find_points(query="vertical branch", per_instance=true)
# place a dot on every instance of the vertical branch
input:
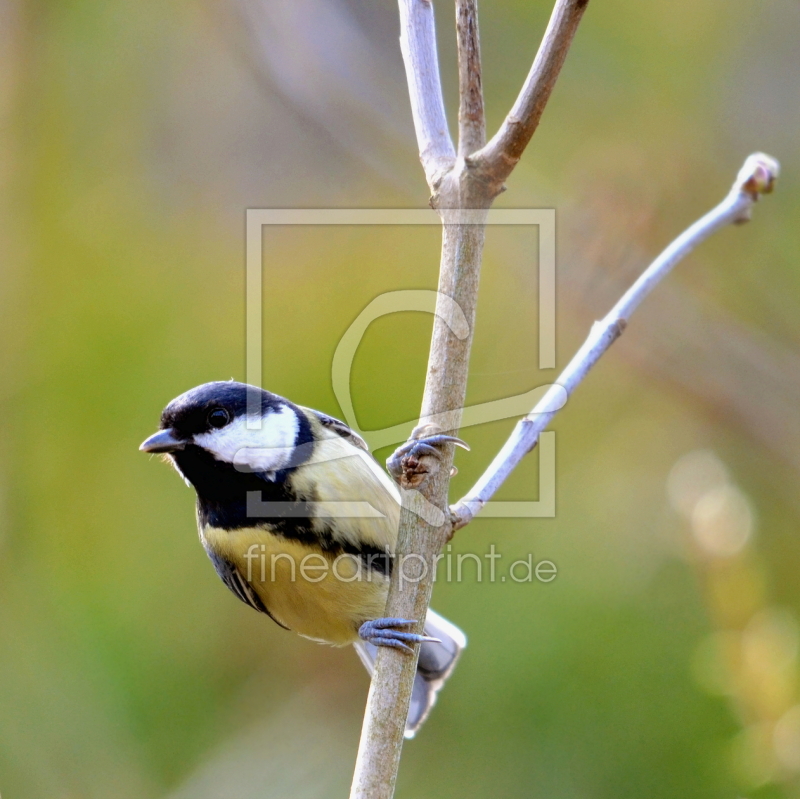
(469, 182)
(471, 120)
(419, 540)
(445, 388)
(412, 577)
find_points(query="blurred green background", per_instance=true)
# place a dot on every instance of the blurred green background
(661, 662)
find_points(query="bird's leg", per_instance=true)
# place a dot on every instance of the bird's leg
(384, 632)
(407, 464)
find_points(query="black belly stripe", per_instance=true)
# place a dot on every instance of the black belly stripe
(295, 528)
(378, 560)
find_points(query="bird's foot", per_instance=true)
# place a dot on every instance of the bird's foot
(410, 463)
(384, 632)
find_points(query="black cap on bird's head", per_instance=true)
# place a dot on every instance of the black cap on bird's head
(223, 424)
(204, 409)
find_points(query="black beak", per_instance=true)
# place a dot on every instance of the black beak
(162, 441)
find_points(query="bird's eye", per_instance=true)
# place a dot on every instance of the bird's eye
(219, 417)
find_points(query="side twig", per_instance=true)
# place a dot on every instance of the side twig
(756, 177)
(495, 162)
(418, 46)
(471, 120)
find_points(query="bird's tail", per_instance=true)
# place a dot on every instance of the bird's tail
(436, 663)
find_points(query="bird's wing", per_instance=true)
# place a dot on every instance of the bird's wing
(231, 576)
(340, 428)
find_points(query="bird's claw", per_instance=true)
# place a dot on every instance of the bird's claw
(383, 632)
(407, 465)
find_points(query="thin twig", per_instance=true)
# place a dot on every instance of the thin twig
(497, 159)
(418, 46)
(756, 177)
(471, 119)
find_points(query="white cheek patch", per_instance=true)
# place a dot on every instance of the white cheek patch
(266, 449)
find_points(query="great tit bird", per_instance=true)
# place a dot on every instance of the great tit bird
(300, 522)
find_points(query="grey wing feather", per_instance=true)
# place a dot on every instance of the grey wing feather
(340, 428)
(230, 575)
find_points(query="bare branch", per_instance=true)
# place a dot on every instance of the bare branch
(756, 177)
(471, 120)
(421, 538)
(418, 46)
(471, 182)
(497, 159)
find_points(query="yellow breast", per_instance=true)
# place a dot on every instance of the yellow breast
(317, 594)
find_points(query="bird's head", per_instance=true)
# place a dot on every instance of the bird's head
(233, 423)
